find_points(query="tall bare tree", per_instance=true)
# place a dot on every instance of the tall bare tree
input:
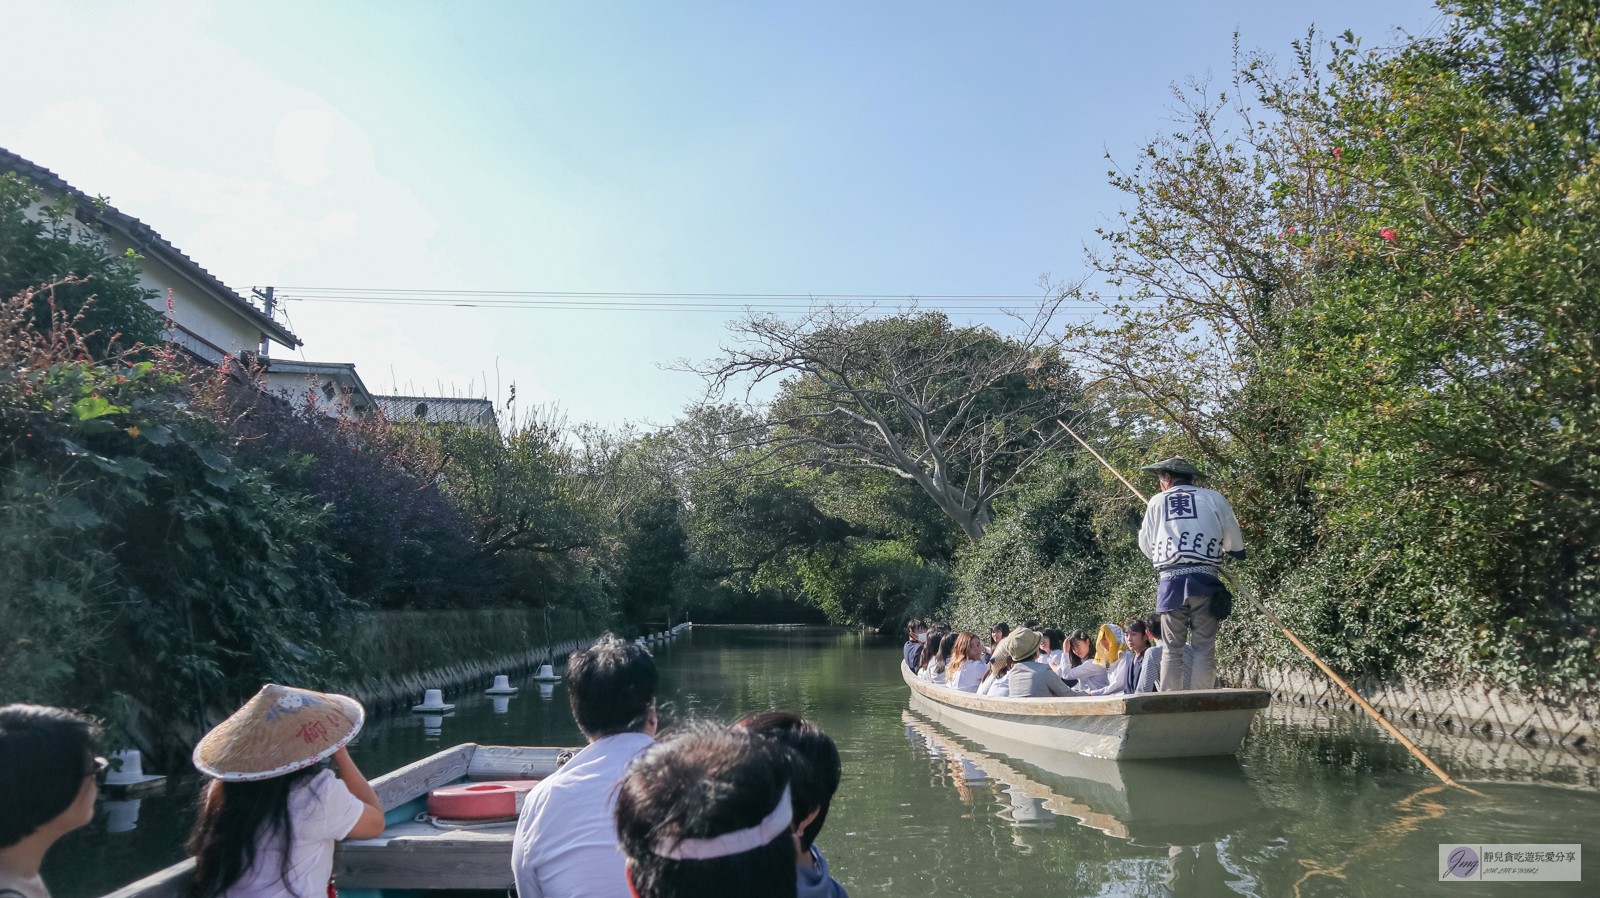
(961, 411)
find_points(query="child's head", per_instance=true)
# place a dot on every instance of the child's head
(820, 769)
(46, 771)
(709, 811)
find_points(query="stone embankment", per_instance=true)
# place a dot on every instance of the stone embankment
(1480, 732)
(404, 690)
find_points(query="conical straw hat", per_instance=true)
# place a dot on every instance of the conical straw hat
(279, 731)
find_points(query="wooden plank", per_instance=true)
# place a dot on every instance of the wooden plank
(417, 778)
(426, 863)
(510, 762)
(173, 882)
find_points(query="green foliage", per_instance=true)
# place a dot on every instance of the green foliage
(103, 301)
(140, 541)
(1365, 304)
(1447, 360)
(1055, 556)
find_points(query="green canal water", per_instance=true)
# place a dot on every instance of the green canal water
(1314, 805)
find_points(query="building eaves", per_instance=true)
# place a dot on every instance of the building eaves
(147, 242)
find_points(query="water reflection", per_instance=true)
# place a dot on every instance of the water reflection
(502, 704)
(1144, 802)
(121, 816)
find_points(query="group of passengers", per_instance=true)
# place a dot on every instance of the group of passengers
(1033, 661)
(709, 810)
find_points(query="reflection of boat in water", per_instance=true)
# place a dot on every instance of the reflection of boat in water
(1190, 724)
(1162, 802)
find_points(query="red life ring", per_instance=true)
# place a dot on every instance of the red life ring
(479, 801)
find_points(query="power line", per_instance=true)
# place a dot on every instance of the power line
(573, 300)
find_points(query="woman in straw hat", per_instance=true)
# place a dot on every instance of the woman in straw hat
(269, 818)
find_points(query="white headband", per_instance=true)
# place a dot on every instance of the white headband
(737, 842)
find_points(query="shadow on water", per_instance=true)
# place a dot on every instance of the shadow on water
(1315, 804)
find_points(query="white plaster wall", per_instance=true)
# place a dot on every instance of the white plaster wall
(192, 307)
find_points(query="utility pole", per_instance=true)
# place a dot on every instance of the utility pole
(268, 304)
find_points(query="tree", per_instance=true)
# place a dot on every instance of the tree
(102, 300)
(960, 411)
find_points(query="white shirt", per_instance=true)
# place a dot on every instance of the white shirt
(969, 675)
(1091, 675)
(32, 887)
(1117, 676)
(321, 812)
(1189, 525)
(566, 842)
(996, 688)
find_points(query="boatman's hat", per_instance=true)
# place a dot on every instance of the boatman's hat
(1175, 465)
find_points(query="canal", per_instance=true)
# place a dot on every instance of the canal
(1314, 805)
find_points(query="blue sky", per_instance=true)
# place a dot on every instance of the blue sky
(863, 148)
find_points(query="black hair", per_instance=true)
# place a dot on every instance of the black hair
(699, 784)
(44, 756)
(1003, 627)
(1030, 625)
(611, 685)
(914, 625)
(227, 829)
(1135, 625)
(820, 769)
(1152, 625)
(946, 644)
(1058, 639)
(1073, 637)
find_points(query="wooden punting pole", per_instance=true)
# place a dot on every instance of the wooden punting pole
(1238, 588)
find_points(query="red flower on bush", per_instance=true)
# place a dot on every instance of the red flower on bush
(1387, 234)
(1338, 152)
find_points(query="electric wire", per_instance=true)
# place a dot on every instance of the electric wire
(618, 301)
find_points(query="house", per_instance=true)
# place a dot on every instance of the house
(473, 413)
(333, 387)
(208, 318)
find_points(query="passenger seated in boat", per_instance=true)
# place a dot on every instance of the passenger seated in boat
(1133, 664)
(916, 635)
(566, 840)
(1109, 649)
(1150, 676)
(997, 635)
(814, 783)
(941, 658)
(1031, 677)
(966, 670)
(710, 812)
(997, 679)
(930, 653)
(47, 789)
(1052, 647)
(1086, 674)
(269, 816)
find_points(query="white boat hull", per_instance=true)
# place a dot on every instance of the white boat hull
(1191, 724)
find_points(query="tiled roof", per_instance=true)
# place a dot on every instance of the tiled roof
(146, 241)
(437, 410)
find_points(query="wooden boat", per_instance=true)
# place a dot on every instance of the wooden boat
(413, 854)
(1193, 723)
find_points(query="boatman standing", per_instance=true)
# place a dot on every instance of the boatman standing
(1187, 532)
